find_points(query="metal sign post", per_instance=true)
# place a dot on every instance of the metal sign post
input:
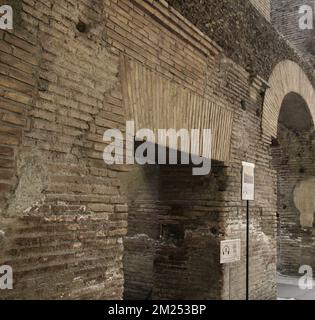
(248, 194)
(247, 250)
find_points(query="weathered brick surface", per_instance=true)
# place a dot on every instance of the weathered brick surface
(243, 33)
(286, 16)
(64, 212)
(174, 227)
(294, 157)
(294, 160)
(61, 207)
(142, 238)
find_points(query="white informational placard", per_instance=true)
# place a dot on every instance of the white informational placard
(230, 251)
(248, 181)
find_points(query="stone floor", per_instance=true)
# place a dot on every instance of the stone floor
(288, 289)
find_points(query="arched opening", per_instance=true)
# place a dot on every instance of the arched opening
(287, 124)
(295, 114)
(293, 154)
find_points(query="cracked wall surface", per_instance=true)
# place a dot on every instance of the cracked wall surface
(61, 212)
(33, 179)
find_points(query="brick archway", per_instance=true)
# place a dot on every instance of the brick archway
(288, 115)
(286, 77)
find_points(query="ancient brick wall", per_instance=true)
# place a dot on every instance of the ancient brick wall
(62, 215)
(237, 33)
(174, 228)
(286, 16)
(294, 160)
(187, 262)
(143, 231)
(63, 211)
(247, 144)
(294, 156)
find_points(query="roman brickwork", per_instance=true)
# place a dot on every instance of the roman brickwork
(174, 229)
(62, 215)
(286, 17)
(294, 156)
(294, 159)
(73, 227)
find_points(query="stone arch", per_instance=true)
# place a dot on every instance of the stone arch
(286, 77)
(288, 115)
